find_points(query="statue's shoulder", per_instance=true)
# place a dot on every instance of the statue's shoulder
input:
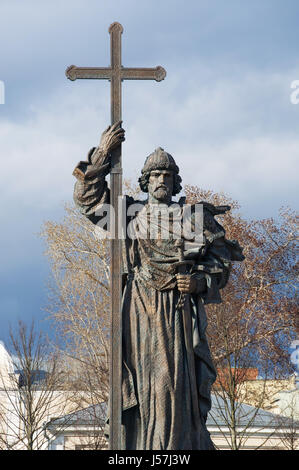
(131, 200)
(133, 206)
(208, 208)
(214, 210)
(210, 224)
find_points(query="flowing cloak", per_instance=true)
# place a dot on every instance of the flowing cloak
(159, 411)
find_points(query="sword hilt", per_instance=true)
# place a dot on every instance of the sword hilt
(182, 268)
(182, 263)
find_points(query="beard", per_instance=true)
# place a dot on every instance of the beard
(161, 193)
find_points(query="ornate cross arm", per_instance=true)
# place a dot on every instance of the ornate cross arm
(158, 73)
(73, 72)
(116, 72)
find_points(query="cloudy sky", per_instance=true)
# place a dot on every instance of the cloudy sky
(224, 111)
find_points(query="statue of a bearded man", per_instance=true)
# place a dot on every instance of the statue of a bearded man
(167, 370)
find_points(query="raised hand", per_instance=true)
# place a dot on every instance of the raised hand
(112, 138)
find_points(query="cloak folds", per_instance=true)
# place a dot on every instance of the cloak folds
(159, 409)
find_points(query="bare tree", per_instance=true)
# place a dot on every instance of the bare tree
(254, 325)
(80, 299)
(31, 392)
(288, 422)
(79, 304)
(258, 308)
(231, 394)
(256, 321)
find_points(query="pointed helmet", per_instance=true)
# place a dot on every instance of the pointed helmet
(159, 160)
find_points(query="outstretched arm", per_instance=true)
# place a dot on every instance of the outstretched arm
(91, 189)
(98, 158)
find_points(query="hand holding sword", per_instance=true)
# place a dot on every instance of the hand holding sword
(186, 286)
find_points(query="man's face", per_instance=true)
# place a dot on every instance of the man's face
(160, 185)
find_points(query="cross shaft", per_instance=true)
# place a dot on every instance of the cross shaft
(115, 74)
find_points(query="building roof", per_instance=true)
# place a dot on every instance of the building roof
(90, 416)
(245, 414)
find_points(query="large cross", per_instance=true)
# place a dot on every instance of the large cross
(116, 73)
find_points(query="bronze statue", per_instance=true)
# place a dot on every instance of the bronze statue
(167, 370)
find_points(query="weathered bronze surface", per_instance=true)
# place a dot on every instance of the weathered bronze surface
(115, 74)
(167, 370)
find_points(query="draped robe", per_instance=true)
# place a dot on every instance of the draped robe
(158, 408)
